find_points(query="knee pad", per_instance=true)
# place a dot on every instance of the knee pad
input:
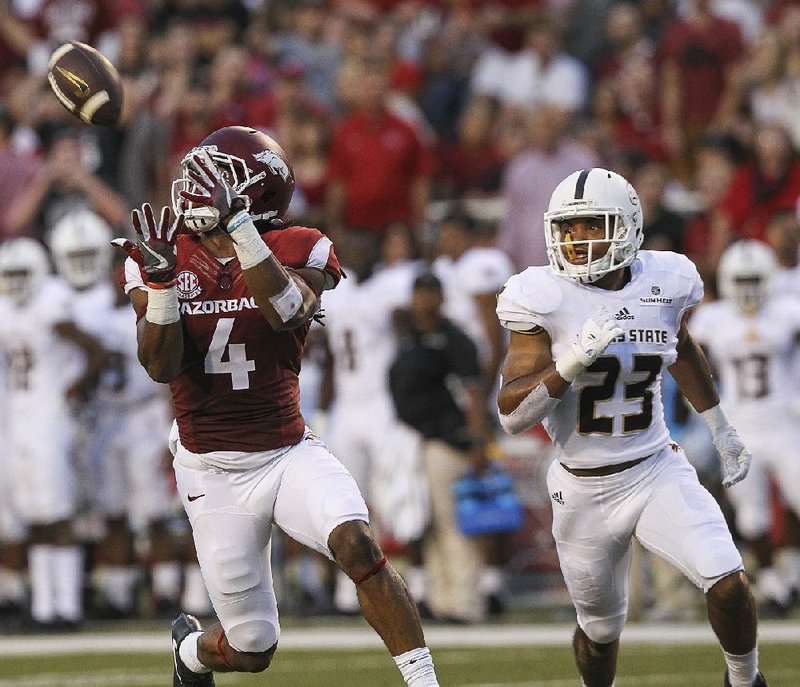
(253, 636)
(229, 551)
(603, 630)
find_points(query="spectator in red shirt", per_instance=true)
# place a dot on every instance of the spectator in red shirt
(379, 170)
(472, 164)
(770, 182)
(698, 53)
(715, 160)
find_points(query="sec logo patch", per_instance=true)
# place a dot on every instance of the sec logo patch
(188, 285)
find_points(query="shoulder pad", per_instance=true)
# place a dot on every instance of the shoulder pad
(528, 297)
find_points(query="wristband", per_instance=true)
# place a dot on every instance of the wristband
(162, 306)
(715, 418)
(247, 242)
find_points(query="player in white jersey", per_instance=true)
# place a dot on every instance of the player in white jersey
(751, 336)
(783, 236)
(472, 275)
(46, 372)
(362, 426)
(129, 488)
(591, 336)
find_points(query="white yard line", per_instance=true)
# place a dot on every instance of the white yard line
(364, 638)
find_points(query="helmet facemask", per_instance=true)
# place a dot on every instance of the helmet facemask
(749, 292)
(745, 274)
(83, 268)
(201, 218)
(561, 250)
(23, 269)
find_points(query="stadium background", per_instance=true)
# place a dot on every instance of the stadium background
(700, 111)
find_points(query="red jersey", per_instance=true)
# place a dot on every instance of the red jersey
(238, 388)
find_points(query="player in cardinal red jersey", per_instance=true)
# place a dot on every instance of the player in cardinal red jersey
(224, 311)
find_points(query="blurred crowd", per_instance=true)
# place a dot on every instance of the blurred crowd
(426, 138)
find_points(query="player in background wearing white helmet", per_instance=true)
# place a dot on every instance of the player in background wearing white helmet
(362, 426)
(591, 337)
(472, 274)
(13, 533)
(128, 487)
(751, 336)
(51, 365)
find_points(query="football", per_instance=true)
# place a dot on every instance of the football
(86, 83)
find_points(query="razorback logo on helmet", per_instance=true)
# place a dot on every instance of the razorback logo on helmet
(275, 162)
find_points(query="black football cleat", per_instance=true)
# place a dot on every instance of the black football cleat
(182, 627)
(760, 681)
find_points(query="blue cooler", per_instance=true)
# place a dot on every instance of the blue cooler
(487, 504)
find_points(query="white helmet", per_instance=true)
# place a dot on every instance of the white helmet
(80, 243)
(23, 268)
(745, 274)
(600, 193)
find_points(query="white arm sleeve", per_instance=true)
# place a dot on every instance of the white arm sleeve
(534, 408)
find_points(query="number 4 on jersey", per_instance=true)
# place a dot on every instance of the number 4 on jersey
(237, 365)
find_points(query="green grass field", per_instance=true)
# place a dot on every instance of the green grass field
(642, 665)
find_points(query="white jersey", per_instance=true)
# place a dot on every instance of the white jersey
(613, 412)
(89, 307)
(753, 356)
(358, 323)
(40, 364)
(786, 281)
(478, 271)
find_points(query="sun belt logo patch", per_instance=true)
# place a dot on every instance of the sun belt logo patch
(188, 285)
(275, 162)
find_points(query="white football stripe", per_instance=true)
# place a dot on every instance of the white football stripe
(91, 106)
(59, 53)
(320, 253)
(66, 102)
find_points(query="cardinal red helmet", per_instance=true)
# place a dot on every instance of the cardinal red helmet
(252, 163)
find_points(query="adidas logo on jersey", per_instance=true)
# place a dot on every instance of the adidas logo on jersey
(556, 496)
(623, 314)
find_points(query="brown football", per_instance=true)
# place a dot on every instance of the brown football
(86, 83)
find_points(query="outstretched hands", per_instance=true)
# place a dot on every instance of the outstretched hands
(219, 195)
(154, 249)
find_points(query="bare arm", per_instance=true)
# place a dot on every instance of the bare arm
(160, 346)
(528, 364)
(692, 372)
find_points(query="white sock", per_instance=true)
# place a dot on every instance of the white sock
(12, 586)
(491, 580)
(166, 577)
(195, 595)
(43, 607)
(117, 583)
(417, 581)
(789, 558)
(742, 670)
(67, 566)
(416, 667)
(188, 654)
(345, 596)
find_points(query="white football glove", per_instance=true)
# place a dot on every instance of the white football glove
(596, 333)
(735, 457)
